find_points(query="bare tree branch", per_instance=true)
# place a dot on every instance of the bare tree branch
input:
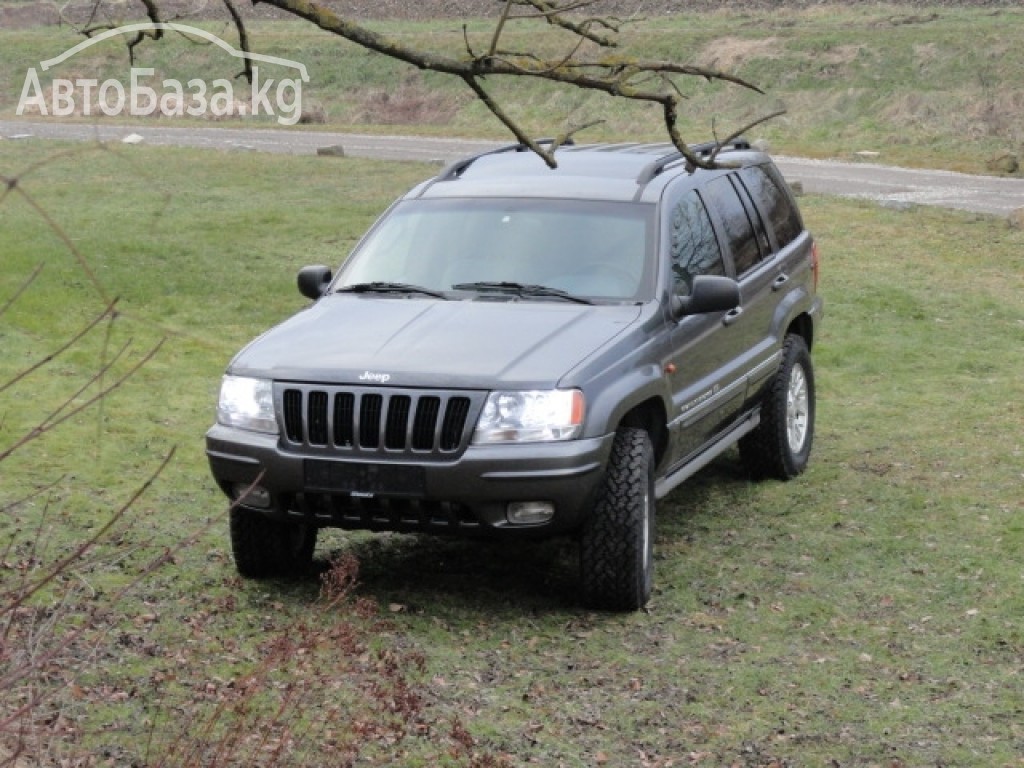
(243, 39)
(498, 28)
(553, 15)
(616, 74)
(523, 137)
(60, 415)
(59, 231)
(152, 13)
(91, 27)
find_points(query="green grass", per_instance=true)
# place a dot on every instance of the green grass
(867, 613)
(924, 86)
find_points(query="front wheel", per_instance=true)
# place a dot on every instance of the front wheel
(264, 547)
(617, 547)
(781, 445)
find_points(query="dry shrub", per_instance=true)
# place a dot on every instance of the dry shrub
(411, 103)
(974, 115)
(727, 53)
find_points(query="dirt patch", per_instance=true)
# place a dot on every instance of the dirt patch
(841, 54)
(727, 53)
(29, 14)
(411, 103)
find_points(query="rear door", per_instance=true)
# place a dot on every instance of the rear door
(754, 263)
(784, 266)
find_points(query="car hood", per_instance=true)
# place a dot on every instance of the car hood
(481, 344)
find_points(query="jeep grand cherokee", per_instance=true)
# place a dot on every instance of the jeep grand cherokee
(513, 350)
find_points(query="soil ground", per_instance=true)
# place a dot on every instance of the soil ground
(16, 14)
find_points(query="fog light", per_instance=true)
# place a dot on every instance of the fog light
(530, 512)
(252, 496)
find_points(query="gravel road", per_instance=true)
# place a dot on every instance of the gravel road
(981, 194)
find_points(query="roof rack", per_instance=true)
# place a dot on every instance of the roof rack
(456, 169)
(706, 149)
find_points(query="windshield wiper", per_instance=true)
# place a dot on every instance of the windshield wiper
(381, 287)
(522, 290)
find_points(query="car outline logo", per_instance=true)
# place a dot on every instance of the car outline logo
(184, 29)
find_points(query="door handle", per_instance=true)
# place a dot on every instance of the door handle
(780, 281)
(732, 316)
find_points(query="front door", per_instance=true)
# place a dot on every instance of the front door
(707, 388)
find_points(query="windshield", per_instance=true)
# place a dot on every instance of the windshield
(596, 250)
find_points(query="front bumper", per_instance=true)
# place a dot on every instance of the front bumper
(468, 494)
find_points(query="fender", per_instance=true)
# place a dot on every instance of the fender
(799, 299)
(617, 395)
(797, 302)
(625, 374)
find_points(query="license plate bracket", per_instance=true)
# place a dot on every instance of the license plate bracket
(362, 479)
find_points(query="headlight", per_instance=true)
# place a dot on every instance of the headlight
(530, 417)
(247, 404)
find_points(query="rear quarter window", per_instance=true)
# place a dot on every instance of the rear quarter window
(738, 228)
(768, 189)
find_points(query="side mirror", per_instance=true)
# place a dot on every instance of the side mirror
(313, 281)
(711, 293)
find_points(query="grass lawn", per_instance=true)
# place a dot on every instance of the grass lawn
(865, 614)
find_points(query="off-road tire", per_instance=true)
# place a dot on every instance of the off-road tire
(780, 447)
(263, 547)
(617, 546)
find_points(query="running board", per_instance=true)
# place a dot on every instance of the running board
(670, 482)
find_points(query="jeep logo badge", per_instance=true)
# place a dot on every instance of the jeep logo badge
(379, 378)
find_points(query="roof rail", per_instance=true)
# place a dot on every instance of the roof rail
(456, 169)
(706, 149)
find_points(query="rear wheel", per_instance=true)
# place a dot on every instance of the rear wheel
(617, 548)
(781, 446)
(265, 547)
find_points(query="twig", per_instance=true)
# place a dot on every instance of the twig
(21, 289)
(52, 423)
(108, 312)
(62, 564)
(524, 138)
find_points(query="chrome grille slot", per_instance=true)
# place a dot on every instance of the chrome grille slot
(398, 419)
(369, 421)
(351, 421)
(344, 419)
(316, 418)
(292, 405)
(423, 425)
(454, 423)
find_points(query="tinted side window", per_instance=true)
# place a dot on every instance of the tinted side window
(739, 230)
(766, 186)
(695, 249)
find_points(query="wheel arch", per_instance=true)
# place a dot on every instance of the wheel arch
(639, 399)
(802, 325)
(651, 417)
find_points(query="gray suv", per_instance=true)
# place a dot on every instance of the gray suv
(513, 350)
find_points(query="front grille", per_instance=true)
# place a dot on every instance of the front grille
(357, 421)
